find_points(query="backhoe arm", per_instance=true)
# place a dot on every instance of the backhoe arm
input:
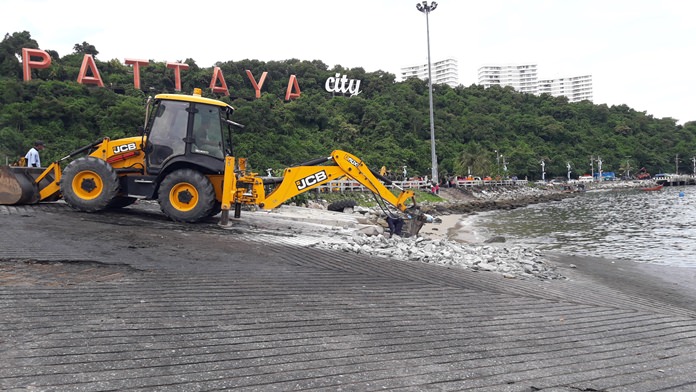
(356, 169)
(250, 189)
(299, 179)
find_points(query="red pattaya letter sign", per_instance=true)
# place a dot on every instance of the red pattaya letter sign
(88, 62)
(136, 70)
(257, 86)
(292, 84)
(28, 64)
(217, 76)
(177, 73)
(217, 82)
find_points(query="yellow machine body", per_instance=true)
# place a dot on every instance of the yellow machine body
(190, 182)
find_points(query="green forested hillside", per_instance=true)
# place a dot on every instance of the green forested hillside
(386, 124)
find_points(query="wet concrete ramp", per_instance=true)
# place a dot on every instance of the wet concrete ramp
(168, 307)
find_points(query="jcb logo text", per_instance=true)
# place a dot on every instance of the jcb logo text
(310, 180)
(124, 148)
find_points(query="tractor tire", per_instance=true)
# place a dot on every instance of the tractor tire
(217, 207)
(186, 195)
(89, 184)
(120, 202)
(341, 205)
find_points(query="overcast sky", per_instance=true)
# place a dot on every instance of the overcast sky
(639, 52)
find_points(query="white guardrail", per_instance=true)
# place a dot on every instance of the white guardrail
(354, 186)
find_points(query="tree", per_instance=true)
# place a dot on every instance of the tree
(85, 48)
(11, 52)
(473, 160)
(387, 124)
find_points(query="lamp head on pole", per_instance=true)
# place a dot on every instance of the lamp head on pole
(424, 7)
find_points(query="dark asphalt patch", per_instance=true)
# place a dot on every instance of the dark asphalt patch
(14, 272)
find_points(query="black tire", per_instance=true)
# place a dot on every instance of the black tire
(89, 184)
(217, 207)
(121, 201)
(341, 205)
(186, 195)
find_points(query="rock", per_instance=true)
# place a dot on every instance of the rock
(496, 239)
(511, 262)
(314, 205)
(361, 209)
(371, 230)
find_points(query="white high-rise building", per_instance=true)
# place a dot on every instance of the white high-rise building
(443, 72)
(576, 88)
(523, 78)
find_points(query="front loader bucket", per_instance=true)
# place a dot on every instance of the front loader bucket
(18, 185)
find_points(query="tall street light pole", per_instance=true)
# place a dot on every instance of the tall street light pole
(426, 9)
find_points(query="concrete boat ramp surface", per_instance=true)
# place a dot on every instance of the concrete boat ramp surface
(128, 300)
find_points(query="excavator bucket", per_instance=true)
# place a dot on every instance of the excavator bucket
(24, 185)
(413, 225)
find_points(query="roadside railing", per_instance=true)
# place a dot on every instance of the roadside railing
(354, 186)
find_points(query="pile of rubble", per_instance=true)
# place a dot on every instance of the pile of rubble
(511, 262)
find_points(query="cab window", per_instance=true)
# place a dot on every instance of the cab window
(168, 131)
(207, 131)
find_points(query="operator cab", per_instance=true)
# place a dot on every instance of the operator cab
(188, 129)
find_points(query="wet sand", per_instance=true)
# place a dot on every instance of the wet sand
(455, 227)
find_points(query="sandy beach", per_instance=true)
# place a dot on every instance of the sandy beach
(454, 227)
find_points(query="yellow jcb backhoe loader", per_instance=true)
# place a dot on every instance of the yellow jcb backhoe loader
(183, 159)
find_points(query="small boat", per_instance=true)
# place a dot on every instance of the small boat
(653, 188)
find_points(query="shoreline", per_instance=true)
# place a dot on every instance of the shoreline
(455, 215)
(454, 227)
(451, 239)
(462, 228)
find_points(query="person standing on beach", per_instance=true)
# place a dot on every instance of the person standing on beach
(32, 157)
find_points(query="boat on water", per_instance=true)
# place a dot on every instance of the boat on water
(653, 188)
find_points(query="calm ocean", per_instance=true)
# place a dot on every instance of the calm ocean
(650, 227)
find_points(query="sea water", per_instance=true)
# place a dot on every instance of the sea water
(644, 226)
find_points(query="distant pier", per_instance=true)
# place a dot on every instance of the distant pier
(675, 180)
